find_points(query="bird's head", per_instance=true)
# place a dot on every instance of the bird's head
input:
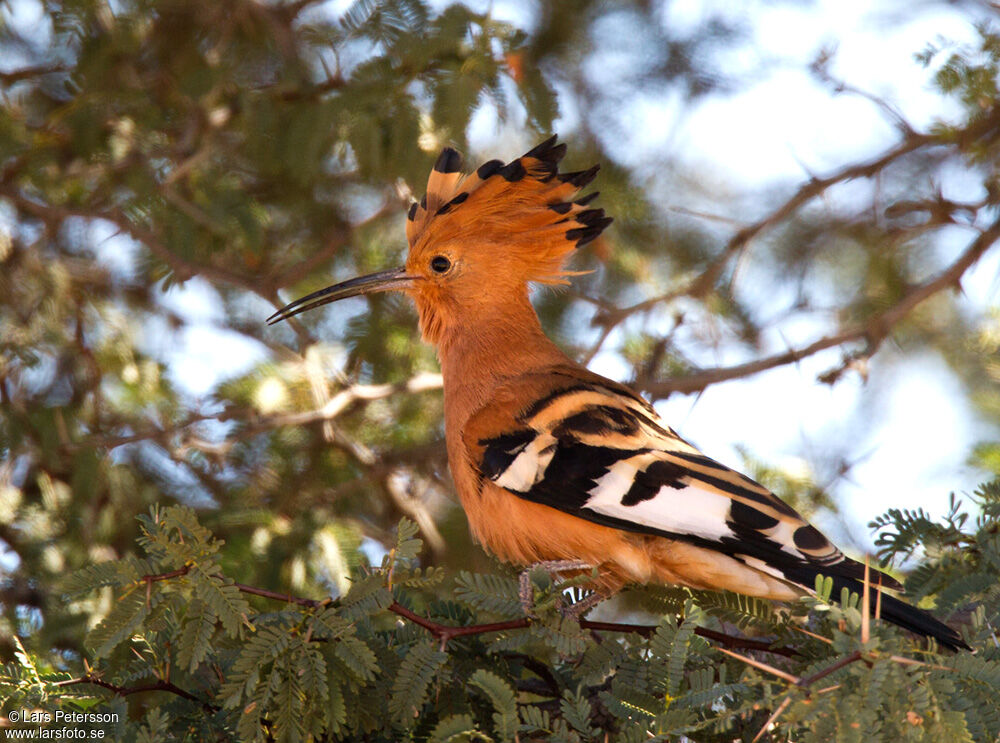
(478, 240)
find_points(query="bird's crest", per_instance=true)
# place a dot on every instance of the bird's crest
(524, 208)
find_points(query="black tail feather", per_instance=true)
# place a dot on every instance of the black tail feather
(906, 616)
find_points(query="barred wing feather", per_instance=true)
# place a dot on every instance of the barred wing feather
(603, 455)
(593, 448)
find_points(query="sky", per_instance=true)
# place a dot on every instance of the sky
(773, 134)
(915, 442)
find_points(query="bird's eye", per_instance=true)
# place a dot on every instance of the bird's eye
(440, 264)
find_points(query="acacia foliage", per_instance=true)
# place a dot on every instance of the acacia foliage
(232, 665)
(248, 148)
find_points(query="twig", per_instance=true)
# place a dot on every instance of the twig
(124, 691)
(762, 666)
(155, 577)
(25, 73)
(744, 643)
(703, 283)
(255, 423)
(799, 682)
(833, 667)
(875, 329)
(446, 632)
(183, 268)
(773, 718)
(912, 141)
(286, 597)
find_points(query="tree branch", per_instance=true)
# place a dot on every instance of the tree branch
(124, 691)
(26, 73)
(608, 317)
(875, 329)
(256, 423)
(704, 282)
(183, 268)
(446, 632)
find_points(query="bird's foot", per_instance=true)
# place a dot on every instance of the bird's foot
(526, 591)
(577, 609)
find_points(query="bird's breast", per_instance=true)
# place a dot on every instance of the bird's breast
(522, 532)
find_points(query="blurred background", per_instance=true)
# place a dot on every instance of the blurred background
(801, 273)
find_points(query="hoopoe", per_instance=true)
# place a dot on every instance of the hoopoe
(554, 464)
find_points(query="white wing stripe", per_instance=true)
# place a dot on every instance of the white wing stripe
(528, 468)
(689, 510)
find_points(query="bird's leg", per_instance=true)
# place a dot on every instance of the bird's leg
(553, 567)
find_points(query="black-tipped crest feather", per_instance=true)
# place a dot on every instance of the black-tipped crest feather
(518, 194)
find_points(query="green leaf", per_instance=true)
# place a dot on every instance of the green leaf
(408, 545)
(244, 678)
(289, 706)
(98, 575)
(678, 656)
(411, 686)
(193, 646)
(221, 596)
(366, 597)
(329, 625)
(313, 675)
(357, 658)
(456, 729)
(503, 699)
(122, 622)
(496, 594)
(577, 711)
(335, 708)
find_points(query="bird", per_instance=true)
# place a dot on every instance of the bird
(557, 466)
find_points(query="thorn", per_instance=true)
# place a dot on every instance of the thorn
(866, 630)
(774, 716)
(763, 666)
(813, 635)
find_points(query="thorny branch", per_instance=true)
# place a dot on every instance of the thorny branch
(805, 684)
(445, 632)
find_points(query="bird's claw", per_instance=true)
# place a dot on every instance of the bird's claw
(526, 592)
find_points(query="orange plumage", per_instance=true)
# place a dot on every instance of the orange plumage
(551, 461)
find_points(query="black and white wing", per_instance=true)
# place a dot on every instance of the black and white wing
(592, 448)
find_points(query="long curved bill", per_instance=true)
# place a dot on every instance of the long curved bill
(382, 281)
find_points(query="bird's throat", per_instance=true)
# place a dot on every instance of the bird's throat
(487, 350)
